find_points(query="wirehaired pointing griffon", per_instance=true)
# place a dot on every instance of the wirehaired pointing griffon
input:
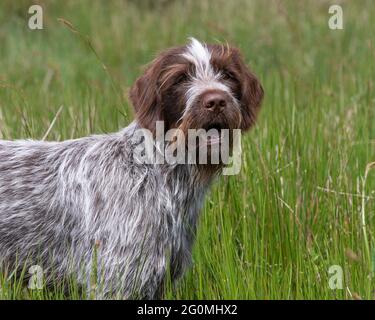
(90, 205)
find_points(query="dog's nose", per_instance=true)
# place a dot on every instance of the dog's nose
(215, 101)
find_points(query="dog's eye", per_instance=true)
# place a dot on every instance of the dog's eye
(228, 75)
(181, 78)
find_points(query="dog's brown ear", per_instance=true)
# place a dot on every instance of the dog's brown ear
(252, 97)
(145, 96)
(252, 93)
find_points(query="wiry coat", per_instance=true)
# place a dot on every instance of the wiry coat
(69, 205)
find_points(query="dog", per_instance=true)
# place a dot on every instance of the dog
(88, 206)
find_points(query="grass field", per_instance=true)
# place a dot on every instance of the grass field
(301, 202)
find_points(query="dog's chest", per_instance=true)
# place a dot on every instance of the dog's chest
(187, 199)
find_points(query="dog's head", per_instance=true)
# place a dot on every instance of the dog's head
(197, 86)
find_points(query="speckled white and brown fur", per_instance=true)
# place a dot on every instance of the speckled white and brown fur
(70, 205)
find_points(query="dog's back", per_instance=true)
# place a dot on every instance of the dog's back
(37, 220)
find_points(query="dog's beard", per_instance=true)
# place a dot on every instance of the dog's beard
(209, 140)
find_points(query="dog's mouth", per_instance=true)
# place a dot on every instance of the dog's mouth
(214, 133)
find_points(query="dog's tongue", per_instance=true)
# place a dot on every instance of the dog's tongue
(214, 138)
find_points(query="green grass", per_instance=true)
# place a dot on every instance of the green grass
(273, 231)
